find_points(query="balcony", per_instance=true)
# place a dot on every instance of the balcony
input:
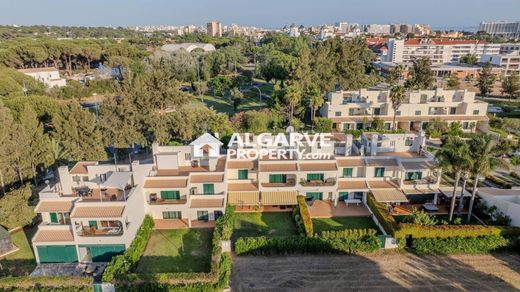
(329, 182)
(438, 112)
(290, 182)
(155, 200)
(429, 180)
(104, 231)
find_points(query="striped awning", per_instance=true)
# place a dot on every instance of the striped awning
(279, 198)
(244, 198)
(389, 196)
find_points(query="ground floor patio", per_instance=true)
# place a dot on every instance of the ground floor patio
(165, 224)
(326, 209)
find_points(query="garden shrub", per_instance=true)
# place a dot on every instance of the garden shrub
(499, 182)
(122, 264)
(61, 283)
(302, 217)
(480, 244)
(383, 216)
(444, 231)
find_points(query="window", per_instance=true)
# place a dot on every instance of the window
(76, 178)
(208, 189)
(465, 125)
(347, 172)
(408, 142)
(337, 114)
(358, 195)
(218, 214)
(202, 215)
(92, 224)
(379, 172)
(413, 175)
(277, 178)
(346, 126)
(187, 156)
(54, 217)
(170, 195)
(314, 195)
(417, 113)
(424, 98)
(453, 110)
(85, 178)
(171, 215)
(398, 113)
(475, 112)
(342, 196)
(243, 174)
(377, 111)
(315, 176)
(388, 126)
(351, 112)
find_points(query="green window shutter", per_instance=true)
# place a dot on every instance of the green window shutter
(315, 176)
(380, 172)
(170, 195)
(93, 224)
(243, 173)
(342, 196)
(347, 172)
(54, 217)
(202, 215)
(314, 195)
(277, 178)
(171, 215)
(209, 189)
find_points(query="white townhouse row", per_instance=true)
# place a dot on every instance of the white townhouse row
(94, 211)
(355, 109)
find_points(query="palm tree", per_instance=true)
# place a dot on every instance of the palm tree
(57, 155)
(293, 96)
(314, 99)
(454, 157)
(485, 157)
(396, 97)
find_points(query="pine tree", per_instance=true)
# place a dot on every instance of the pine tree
(511, 85)
(486, 79)
(421, 75)
(6, 143)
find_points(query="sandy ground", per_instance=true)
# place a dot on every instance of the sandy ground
(390, 272)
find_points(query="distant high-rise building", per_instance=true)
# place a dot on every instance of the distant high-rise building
(214, 28)
(377, 29)
(505, 29)
(343, 27)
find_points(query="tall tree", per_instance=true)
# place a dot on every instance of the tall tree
(293, 97)
(453, 82)
(454, 157)
(470, 59)
(236, 97)
(314, 99)
(511, 85)
(397, 96)
(486, 79)
(6, 144)
(395, 74)
(485, 157)
(421, 75)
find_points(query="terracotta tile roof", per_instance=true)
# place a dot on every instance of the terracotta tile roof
(242, 164)
(165, 183)
(54, 235)
(81, 167)
(279, 167)
(244, 198)
(207, 203)
(352, 185)
(382, 184)
(318, 166)
(97, 211)
(382, 162)
(207, 178)
(53, 206)
(242, 187)
(351, 162)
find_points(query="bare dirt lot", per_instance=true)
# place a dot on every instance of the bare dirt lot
(391, 272)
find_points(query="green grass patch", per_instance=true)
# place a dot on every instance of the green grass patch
(264, 224)
(180, 250)
(342, 223)
(20, 263)
(225, 105)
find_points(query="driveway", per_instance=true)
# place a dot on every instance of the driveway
(390, 272)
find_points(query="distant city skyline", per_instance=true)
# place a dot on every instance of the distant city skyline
(265, 13)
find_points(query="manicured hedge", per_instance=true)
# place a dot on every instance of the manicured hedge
(348, 241)
(27, 283)
(123, 264)
(480, 244)
(383, 216)
(302, 217)
(444, 231)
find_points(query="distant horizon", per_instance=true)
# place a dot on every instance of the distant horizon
(266, 13)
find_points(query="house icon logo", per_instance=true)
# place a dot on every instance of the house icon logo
(206, 146)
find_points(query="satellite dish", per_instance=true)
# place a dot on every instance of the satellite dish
(289, 129)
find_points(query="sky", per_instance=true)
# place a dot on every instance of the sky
(261, 13)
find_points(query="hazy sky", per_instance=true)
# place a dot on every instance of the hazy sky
(266, 13)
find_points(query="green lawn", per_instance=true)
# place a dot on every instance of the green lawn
(224, 104)
(181, 250)
(20, 263)
(264, 224)
(342, 223)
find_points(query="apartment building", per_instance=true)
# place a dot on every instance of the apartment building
(94, 211)
(439, 50)
(49, 76)
(214, 28)
(502, 28)
(357, 109)
(508, 63)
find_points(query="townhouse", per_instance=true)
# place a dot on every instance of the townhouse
(357, 109)
(49, 76)
(94, 210)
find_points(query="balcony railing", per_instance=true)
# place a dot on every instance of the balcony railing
(108, 231)
(318, 183)
(154, 200)
(290, 182)
(424, 181)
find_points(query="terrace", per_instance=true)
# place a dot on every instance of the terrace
(326, 209)
(156, 200)
(107, 228)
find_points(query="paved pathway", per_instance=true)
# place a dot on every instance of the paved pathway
(391, 272)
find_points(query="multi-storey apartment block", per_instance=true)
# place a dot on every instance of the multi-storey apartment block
(94, 210)
(508, 63)
(353, 109)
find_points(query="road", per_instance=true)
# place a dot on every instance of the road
(390, 272)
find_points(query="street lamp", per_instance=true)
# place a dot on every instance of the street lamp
(259, 92)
